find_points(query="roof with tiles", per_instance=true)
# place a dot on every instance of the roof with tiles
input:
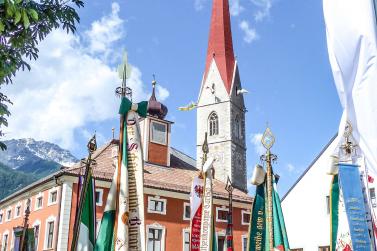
(171, 178)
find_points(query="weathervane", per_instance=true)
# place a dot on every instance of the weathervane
(124, 71)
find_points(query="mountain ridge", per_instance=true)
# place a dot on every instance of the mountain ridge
(27, 160)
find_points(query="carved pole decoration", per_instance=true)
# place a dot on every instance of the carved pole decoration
(25, 227)
(229, 228)
(268, 140)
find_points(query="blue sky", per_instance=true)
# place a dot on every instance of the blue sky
(281, 50)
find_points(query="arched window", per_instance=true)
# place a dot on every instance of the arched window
(213, 124)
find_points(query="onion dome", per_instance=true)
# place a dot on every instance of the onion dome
(156, 108)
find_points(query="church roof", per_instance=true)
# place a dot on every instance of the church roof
(220, 45)
(310, 166)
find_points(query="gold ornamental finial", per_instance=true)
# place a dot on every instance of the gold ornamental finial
(268, 139)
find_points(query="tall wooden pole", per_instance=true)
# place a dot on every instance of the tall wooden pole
(92, 146)
(121, 91)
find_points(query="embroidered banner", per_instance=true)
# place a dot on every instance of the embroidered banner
(258, 221)
(196, 212)
(350, 184)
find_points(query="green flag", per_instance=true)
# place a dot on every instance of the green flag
(280, 233)
(122, 225)
(258, 230)
(257, 226)
(86, 238)
(334, 212)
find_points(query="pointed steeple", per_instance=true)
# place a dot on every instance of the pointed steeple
(220, 45)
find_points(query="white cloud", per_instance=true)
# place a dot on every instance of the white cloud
(264, 9)
(256, 140)
(105, 32)
(69, 87)
(290, 167)
(199, 4)
(235, 7)
(162, 93)
(250, 34)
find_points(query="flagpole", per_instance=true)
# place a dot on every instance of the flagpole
(269, 200)
(92, 146)
(122, 92)
(268, 140)
(23, 241)
(229, 227)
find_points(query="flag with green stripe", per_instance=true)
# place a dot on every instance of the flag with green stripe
(86, 239)
(122, 225)
(280, 233)
(258, 230)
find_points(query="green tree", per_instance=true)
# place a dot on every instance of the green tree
(23, 24)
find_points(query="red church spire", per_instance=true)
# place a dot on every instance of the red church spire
(220, 45)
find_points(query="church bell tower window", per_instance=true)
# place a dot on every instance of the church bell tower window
(213, 124)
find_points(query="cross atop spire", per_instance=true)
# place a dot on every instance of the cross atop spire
(220, 45)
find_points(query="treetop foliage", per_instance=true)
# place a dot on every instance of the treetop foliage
(23, 24)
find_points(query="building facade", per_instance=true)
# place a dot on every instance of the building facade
(306, 206)
(166, 196)
(168, 173)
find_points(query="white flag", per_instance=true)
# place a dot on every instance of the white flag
(352, 47)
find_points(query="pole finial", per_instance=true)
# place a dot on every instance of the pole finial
(268, 139)
(92, 144)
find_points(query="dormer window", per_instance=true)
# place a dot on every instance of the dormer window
(213, 124)
(158, 133)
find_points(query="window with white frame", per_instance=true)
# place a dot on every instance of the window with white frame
(156, 205)
(5, 241)
(213, 122)
(186, 240)
(155, 237)
(99, 195)
(222, 214)
(36, 227)
(25, 204)
(1, 217)
(49, 233)
(38, 202)
(158, 132)
(9, 214)
(52, 197)
(17, 211)
(245, 217)
(186, 211)
(244, 243)
(221, 243)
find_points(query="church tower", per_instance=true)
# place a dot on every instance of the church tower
(221, 109)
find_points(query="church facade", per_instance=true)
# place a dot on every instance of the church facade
(168, 173)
